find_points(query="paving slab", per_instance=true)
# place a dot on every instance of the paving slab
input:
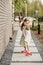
(17, 40)
(18, 44)
(26, 64)
(19, 49)
(18, 37)
(22, 57)
(31, 44)
(16, 28)
(19, 33)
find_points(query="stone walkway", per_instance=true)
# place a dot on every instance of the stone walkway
(13, 55)
(20, 59)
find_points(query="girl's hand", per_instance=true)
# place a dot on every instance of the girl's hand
(27, 27)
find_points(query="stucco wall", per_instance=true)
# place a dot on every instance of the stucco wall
(5, 24)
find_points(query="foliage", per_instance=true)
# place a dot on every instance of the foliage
(34, 28)
(19, 6)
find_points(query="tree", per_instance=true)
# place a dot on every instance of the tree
(19, 6)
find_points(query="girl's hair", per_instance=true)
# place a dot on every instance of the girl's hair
(23, 24)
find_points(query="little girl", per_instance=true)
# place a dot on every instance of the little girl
(26, 32)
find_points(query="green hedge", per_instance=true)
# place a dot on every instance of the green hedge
(34, 28)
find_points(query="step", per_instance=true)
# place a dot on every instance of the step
(19, 49)
(26, 64)
(17, 40)
(21, 57)
(18, 43)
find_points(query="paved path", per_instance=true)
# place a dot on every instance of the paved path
(20, 59)
(13, 55)
(16, 26)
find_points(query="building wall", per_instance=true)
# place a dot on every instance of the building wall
(5, 24)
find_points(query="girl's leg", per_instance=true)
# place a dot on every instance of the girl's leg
(27, 48)
(24, 51)
(24, 47)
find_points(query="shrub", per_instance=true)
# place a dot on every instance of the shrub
(34, 28)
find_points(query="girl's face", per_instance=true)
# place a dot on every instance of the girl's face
(26, 23)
